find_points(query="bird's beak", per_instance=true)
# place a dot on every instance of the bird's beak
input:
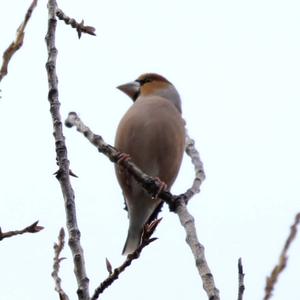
(131, 89)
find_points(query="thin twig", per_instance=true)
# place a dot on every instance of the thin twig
(33, 228)
(176, 203)
(272, 279)
(58, 247)
(241, 288)
(193, 153)
(188, 223)
(80, 27)
(63, 174)
(114, 275)
(17, 43)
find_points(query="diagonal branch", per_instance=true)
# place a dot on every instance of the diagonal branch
(63, 174)
(176, 203)
(17, 43)
(272, 279)
(33, 228)
(148, 182)
(114, 275)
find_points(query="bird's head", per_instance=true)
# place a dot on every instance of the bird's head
(150, 84)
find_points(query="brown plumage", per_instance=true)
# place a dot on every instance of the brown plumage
(152, 132)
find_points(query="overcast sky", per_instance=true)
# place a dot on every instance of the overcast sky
(236, 65)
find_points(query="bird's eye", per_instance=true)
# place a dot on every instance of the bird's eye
(143, 81)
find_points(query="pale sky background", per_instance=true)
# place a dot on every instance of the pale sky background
(236, 65)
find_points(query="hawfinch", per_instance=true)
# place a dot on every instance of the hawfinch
(152, 132)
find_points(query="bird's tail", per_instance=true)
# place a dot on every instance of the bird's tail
(133, 240)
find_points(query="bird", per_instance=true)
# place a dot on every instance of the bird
(152, 133)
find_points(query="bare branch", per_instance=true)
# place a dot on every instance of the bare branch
(188, 223)
(58, 247)
(17, 43)
(241, 288)
(33, 228)
(272, 279)
(198, 166)
(63, 174)
(176, 203)
(114, 275)
(80, 27)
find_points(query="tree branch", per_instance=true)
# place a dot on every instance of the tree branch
(114, 275)
(63, 174)
(58, 247)
(188, 223)
(33, 228)
(272, 279)
(17, 43)
(80, 27)
(193, 153)
(241, 288)
(176, 203)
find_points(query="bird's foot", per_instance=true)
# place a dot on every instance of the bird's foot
(162, 187)
(122, 157)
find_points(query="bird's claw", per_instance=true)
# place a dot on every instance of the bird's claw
(162, 187)
(122, 157)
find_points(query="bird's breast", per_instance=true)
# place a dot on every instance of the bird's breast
(152, 133)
